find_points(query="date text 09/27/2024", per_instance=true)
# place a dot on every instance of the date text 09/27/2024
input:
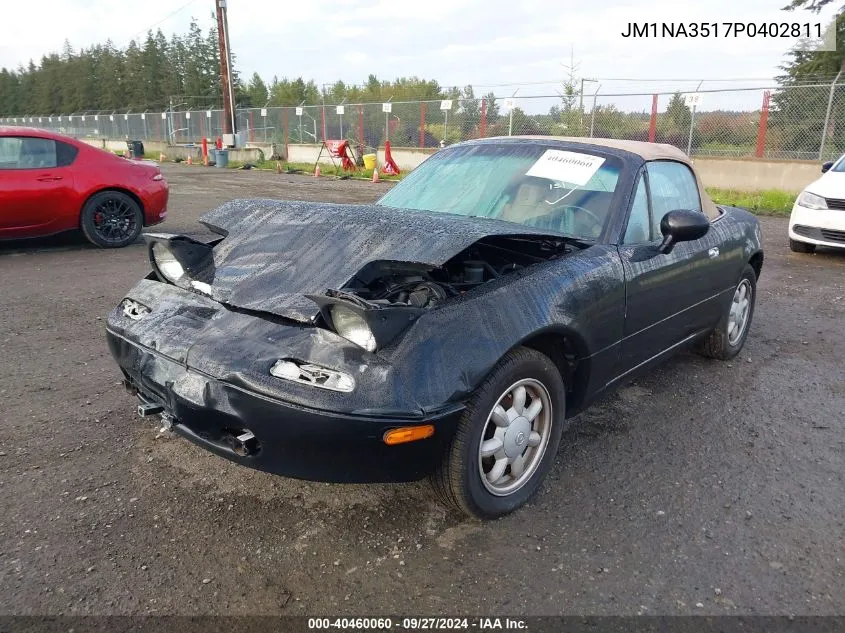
(723, 29)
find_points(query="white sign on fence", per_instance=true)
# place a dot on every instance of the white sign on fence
(82, 117)
(340, 110)
(96, 117)
(446, 104)
(125, 117)
(387, 107)
(111, 117)
(208, 114)
(299, 112)
(692, 99)
(164, 116)
(143, 116)
(39, 119)
(510, 103)
(264, 112)
(187, 115)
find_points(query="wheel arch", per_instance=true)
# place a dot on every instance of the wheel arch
(756, 262)
(122, 190)
(568, 350)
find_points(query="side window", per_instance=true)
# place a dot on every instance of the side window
(638, 222)
(25, 152)
(672, 187)
(65, 154)
(10, 151)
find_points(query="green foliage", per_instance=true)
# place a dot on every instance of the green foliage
(798, 110)
(144, 75)
(768, 202)
(678, 112)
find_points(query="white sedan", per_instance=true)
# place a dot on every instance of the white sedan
(818, 215)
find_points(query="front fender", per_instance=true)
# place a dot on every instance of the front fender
(445, 355)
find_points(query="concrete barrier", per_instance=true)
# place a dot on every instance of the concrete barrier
(741, 174)
(251, 154)
(750, 174)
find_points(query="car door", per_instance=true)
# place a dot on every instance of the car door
(666, 294)
(36, 184)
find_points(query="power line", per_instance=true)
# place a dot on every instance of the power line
(164, 19)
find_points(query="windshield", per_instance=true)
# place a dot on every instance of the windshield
(561, 190)
(839, 165)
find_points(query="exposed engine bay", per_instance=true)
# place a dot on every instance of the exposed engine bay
(420, 286)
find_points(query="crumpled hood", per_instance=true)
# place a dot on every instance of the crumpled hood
(275, 253)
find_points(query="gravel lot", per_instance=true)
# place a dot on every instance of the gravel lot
(704, 487)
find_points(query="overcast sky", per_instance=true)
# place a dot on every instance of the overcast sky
(456, 42)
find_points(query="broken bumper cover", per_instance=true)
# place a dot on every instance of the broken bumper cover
(288, 439)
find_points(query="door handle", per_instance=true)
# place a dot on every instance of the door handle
(713, 252)
(48, 178)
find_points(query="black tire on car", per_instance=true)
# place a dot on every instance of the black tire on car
(111, 219)
(801, 247)
(523, 384)
(724, 342)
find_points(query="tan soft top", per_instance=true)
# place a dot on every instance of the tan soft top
(647, 151)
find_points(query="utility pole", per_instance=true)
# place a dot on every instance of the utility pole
(229, 119)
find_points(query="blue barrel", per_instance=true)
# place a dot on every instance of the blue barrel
(222, 158)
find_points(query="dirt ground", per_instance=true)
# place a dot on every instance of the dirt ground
(704, 487)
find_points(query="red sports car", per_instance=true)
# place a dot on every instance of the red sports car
(51, 183)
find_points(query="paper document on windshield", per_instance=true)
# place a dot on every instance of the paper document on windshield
(570, 167)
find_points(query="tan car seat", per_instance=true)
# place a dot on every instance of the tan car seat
(527, 203)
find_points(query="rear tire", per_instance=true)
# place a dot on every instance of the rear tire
(801, 247)
(111, 219)
(503, 447)
(725, 341)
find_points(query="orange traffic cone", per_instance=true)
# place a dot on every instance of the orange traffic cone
(316, 171)
(375, 175)
(189, 161)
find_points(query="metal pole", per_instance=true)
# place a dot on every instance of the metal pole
(172, 129)
(692, 120)
(510, 115)
(827, 114)
(593, 113)
(691, 126)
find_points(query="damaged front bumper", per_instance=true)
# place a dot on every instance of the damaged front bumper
(280, 437)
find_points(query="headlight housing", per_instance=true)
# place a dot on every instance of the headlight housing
(352, 326)
(179, 259)
(811, 201)
(166, 263)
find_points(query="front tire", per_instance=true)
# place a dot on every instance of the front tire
(111, 219)
(801, 247)
(727, 339)
(506, 439)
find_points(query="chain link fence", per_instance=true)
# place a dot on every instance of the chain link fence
(805, 122)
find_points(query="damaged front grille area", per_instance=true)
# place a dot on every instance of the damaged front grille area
(134, 310)
(313, 375)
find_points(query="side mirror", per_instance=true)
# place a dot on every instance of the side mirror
(826, 166)
(682, 225)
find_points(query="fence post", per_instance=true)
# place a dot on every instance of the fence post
(285, 129)
(361, 127)
(691, 129)
(422, 123)
(764, 119)
(827, 114)
(482, 126)
(323, 120)
(652, 124)
(251, 127)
